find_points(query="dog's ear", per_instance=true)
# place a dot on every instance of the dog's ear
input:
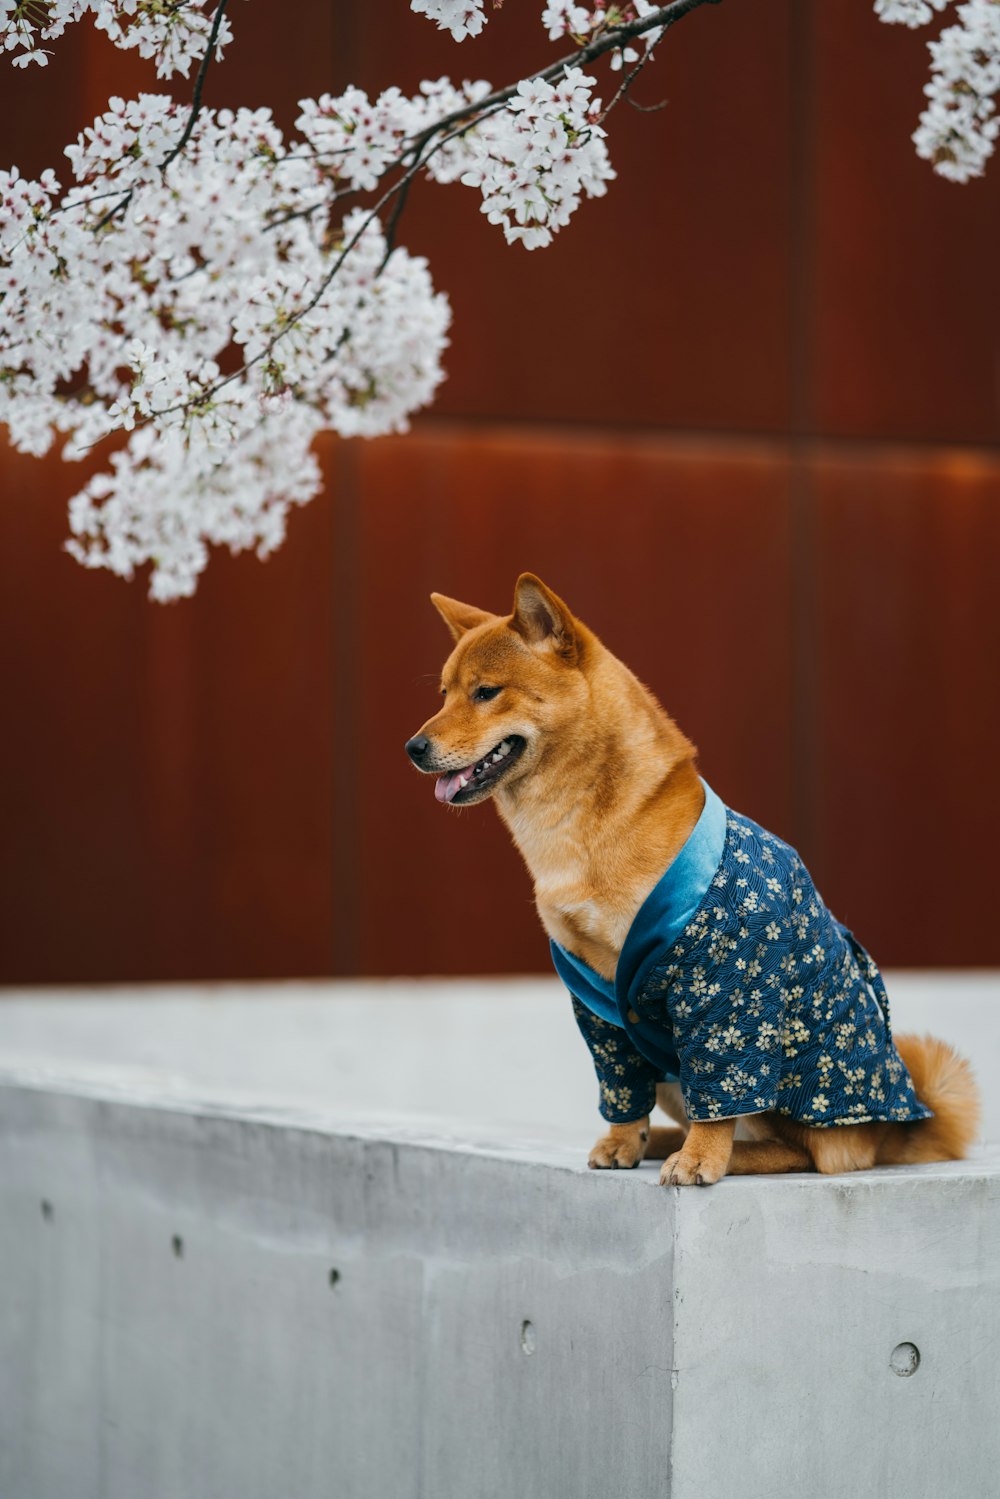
(459, 618)
(541, 618)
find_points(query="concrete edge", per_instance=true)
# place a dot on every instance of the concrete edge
(131, 1089)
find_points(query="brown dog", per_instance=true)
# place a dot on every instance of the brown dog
(599, 789)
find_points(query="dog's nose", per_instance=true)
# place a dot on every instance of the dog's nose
(417, 748)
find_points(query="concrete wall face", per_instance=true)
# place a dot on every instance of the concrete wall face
(170, 1330)
(799, 1298)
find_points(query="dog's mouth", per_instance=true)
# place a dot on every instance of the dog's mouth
(460, 786)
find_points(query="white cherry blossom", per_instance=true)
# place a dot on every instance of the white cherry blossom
(461, 17)
(959, 127)
(908, 12)
(533, 161)
(174, 35)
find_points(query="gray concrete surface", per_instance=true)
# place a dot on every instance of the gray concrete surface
(342, 1243)
(476, 1057)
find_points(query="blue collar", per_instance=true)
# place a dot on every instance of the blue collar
(674, 899)
(658, 923)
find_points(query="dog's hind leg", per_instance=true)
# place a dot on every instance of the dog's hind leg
(671, 1100)
(765, 1157)
(663, 1142)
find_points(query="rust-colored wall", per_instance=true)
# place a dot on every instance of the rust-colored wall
(743, 414)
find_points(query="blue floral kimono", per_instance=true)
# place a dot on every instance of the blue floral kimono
(736, 981)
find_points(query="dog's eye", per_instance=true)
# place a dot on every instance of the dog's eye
(483, 694)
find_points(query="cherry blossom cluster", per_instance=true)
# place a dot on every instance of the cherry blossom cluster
(461, 17)
(908, 12)
(174, 35)
(959, 127)
(531, 159)
(357, 139)
(534, 161)
(215, 308)
(195, 309)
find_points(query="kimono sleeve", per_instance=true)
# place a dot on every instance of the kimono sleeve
(627, 1081)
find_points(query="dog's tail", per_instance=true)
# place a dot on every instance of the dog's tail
(943, 1081)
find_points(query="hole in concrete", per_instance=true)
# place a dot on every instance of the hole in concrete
(177, 1245)
(46, 1210)
(904, 1359)
(334, 1276)
(527, 1337)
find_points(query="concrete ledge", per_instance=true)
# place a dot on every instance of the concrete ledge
(339, 1241)
(202, 1299)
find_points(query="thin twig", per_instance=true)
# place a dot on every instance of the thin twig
(392, 223)
(63, 208)
(628, 81)
(80, 203)
(199, 84)
(324, 202)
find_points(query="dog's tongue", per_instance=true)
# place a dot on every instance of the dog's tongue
(447, 787)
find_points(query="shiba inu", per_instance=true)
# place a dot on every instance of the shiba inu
(706, 973)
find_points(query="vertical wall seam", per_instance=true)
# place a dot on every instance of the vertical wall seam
(803, 622)
(345, 766)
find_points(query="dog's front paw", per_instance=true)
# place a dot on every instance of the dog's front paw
(688, 1169)
(703, 1158)
(621, 1148)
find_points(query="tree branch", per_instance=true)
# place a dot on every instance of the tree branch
(417, 154)
(665, 17)
(199, 83)
(401, 186)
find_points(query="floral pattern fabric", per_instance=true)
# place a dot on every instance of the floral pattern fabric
(768, 1000)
